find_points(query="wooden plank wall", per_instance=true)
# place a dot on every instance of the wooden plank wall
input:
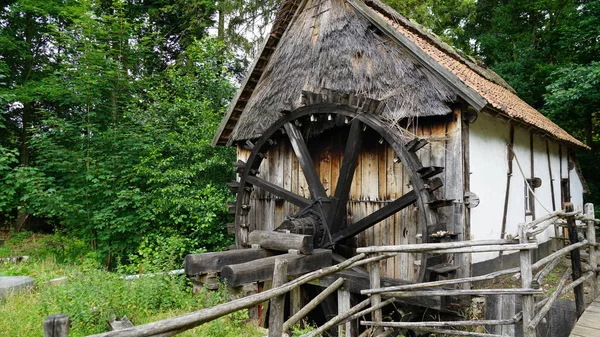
(377, 181)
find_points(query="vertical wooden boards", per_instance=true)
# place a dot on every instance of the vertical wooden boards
(394, 187)
(323, 156)
(552, 194)
(370, 182)
(462, 136)
(385, 238)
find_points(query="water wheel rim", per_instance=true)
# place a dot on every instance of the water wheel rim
(426, 215)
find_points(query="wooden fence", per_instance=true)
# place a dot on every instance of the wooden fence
(378, 297)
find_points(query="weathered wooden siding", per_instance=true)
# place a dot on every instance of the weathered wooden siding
(377, 182)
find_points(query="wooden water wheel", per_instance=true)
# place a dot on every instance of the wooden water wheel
(323, 212)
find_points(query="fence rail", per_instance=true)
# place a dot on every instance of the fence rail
(379, 297)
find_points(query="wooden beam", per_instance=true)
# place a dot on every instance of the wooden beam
(313, 304)
(277, 305)
(317, 191)
(262, 269)
(375, 282)
(551, 178)
(343, 299)
(279, 191)
(528, 302)
(440, 323)
(472, 292)
(544, 310)
(575, 261)
(282, 241)
(431, 246)
(591, 237)
(510, 156)
(376, 217)
(195, 264)
(356, 282)
(338, 319)
(337, 214)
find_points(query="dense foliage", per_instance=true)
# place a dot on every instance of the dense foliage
(109, 109)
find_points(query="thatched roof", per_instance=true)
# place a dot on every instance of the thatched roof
(365, 48)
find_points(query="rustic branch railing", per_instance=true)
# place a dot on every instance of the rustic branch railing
(380, 297)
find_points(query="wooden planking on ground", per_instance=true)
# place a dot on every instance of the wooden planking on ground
(588, 324)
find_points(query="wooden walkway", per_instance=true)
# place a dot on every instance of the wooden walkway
(588, 324)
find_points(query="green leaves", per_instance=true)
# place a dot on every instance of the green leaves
(115, 104)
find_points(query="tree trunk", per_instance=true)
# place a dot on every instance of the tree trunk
(26, 118)
(221, 23)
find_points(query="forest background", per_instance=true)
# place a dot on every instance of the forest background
(108, 107)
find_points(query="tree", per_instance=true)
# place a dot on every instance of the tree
(446, 18)
(27, 58)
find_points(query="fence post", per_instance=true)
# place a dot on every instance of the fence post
(278, 302)
(56, 326)
(343, 297)
(528, 302)
(575, 260)
(591, 237)
(375, 282)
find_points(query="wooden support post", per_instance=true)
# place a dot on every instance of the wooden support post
(295, 300)
(278, 302)
(526, 278)
(262, 269)
(338, 319)
(343, 297)
(591, 237)
(56, 326)
(375, 280)
(313, 304)
(575, 260)
(197, 264)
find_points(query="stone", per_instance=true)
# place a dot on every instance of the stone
(10, 284)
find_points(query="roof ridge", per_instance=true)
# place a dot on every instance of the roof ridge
(422, 31)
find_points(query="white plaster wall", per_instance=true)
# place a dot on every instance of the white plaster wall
(488, 147)
(543, 203)
(555, 166)
(488, 139)
(576, 190)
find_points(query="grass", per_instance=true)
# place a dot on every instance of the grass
(93, 296)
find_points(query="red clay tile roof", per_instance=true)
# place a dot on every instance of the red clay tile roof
(499, 97)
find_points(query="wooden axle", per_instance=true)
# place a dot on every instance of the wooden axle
(262, 269)
(196, 264)
(282, 241)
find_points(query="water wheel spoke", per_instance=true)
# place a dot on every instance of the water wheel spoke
(377, 216)
(337, 213)
(317, 191)
(279, 191)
